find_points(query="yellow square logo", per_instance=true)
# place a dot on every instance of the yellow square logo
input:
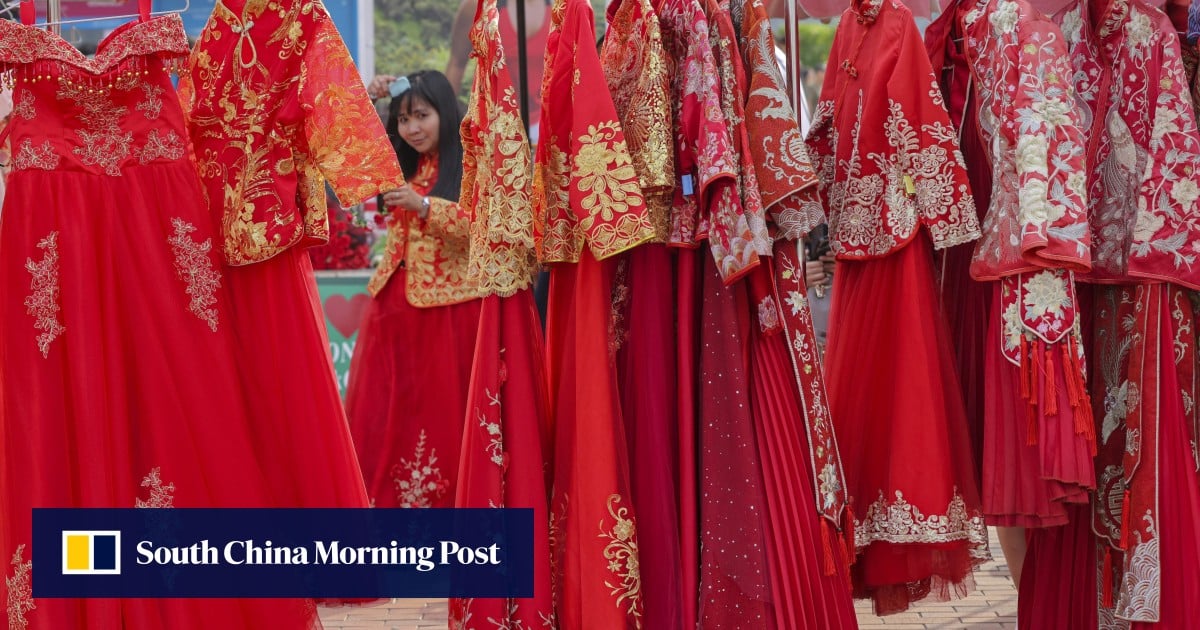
(91, 553)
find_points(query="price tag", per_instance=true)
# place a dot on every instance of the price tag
(688, 188)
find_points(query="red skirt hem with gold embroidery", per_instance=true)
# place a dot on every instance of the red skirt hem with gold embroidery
(118, 382)
(407, 396)
(897, 407)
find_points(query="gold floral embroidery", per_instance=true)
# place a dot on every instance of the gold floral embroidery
(419, 481)
(42, 302)
(20, 591)
(495, 446)
(158, 147)
(104, 144)
(195, 268)
(161, 495)
(152, 106)
(496, 178)
(562, 236)
(622, 555)
(23, 106)
(902, 523)
(163, 36)
(299, 58)
(42, 157)
(638, 76)
(604, 174)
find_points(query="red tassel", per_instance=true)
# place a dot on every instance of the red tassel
(1070, 373)
(1106, 585)
(1125, 510)
(830, 567)
(1025, 368)
(1051, 391)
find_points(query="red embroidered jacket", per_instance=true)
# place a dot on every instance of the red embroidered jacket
(1144, 156)
(785, 174)
(277, 108)
(496, 186)
(434, 250)
(586, 189)
(878, 188)
(1027, 113)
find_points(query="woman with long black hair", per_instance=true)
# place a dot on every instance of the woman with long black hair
(406, 416)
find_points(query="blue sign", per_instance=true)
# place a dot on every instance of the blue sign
(317, 553)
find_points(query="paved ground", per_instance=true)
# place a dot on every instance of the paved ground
(992, 606)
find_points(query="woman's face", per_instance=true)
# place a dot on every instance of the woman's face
(418, 125)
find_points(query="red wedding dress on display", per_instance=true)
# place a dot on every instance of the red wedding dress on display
(407, 396)
(118, 380)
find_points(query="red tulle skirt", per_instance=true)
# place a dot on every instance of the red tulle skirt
(1033, 468)
(118, 382)
(896, 404)
(285, 365)
(407, 396)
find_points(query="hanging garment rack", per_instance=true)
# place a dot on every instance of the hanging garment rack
(55, 22)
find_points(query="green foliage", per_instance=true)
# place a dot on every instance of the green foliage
(402, 47)
(816, 39)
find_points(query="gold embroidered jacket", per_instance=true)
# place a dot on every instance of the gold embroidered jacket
(276, 109)
(434, 250)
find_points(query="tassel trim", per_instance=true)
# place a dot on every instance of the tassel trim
(827, 547)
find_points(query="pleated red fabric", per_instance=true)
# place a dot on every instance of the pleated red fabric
(809, 575)
(687, 335)
(1059, 579)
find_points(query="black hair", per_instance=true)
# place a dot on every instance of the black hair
(434, 88)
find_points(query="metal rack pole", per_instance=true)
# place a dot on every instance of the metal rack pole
(54, 15)
(523, 64)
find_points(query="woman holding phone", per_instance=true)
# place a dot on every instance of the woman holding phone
(406, 417)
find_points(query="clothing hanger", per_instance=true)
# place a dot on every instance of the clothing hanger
(143, 13)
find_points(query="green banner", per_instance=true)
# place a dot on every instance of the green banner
(344, 299)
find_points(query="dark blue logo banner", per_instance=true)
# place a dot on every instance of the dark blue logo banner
(321, 553)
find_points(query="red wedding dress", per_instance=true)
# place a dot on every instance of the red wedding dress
(407, 396)
(118, 381)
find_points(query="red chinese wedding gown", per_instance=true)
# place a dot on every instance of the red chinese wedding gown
(892, 197)
(407, 395)
(275, 109)
(118, 378)
(506, 456)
